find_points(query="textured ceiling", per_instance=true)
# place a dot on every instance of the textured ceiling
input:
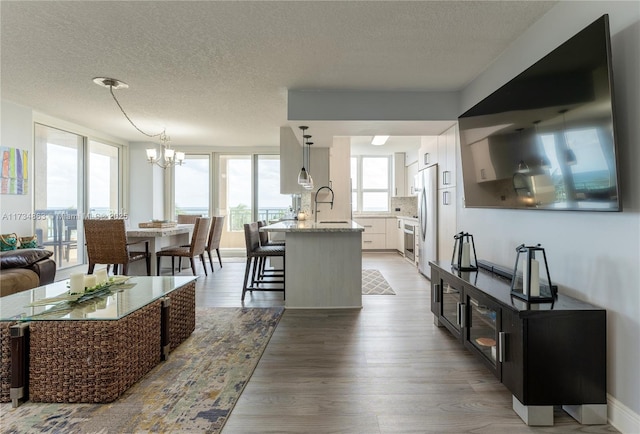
(216, 73)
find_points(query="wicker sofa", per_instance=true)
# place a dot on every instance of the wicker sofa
(23, 269)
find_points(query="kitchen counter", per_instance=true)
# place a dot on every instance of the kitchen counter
(311, 226)
(323, 264)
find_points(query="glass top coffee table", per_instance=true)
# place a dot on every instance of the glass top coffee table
(90, 348)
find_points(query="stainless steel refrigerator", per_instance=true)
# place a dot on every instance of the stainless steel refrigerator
(427, 218)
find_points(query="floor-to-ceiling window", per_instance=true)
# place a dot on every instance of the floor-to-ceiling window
(242, 187)
(248, 190)
(191, 186)
(270, 204)
(59, 193)
(104, 179)
(75, 177)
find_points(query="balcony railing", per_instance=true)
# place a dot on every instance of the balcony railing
(237, 217)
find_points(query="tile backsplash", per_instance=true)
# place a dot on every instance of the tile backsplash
(408, 205)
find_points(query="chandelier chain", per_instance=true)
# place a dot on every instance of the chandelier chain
(161, 134)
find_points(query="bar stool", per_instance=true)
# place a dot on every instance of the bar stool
(266, 241)
(256, 252)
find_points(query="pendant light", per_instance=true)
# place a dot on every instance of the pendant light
(309, 185)
(303, 176)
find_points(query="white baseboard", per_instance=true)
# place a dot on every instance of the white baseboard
(622, 417)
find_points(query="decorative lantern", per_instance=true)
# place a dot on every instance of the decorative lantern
(463, 248)
(526, 283)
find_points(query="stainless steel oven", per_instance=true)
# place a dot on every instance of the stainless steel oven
(409, 242)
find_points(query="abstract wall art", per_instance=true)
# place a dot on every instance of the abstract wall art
(14, 171)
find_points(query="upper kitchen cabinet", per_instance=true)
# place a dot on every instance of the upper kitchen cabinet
(412, 179)
(291, 163)
(399, 174)
(428, 153)
(447, 151)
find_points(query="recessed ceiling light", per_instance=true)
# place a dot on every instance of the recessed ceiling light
(110, 83)
(379, 140)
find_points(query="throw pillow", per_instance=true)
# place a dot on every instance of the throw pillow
(8, 242)
(28, 242)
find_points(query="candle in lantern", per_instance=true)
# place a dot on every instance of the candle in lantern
(466, 255)
(534, 286)
(525, 278)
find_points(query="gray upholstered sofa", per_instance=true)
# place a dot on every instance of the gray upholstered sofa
(23, 269)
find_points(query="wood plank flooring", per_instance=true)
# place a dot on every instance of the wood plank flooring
(383, 369)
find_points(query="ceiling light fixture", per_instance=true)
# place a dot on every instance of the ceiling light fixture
(309, 185)
(303, 175)
(379, 140)
(170, 157)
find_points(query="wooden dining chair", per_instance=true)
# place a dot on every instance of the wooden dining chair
(106, 241)
(196, 248)
(215, 234)
(188, 218)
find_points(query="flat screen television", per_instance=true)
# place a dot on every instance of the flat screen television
(546, 139)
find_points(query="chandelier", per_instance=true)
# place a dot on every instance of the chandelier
(169, 156)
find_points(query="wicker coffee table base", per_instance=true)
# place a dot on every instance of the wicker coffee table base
(96, 361)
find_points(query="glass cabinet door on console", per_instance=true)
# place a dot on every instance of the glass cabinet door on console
(482, 329)
(435, 296)
(452, 315)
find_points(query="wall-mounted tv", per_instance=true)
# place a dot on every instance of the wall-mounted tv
(546, 139)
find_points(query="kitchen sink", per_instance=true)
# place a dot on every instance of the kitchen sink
(335, 221)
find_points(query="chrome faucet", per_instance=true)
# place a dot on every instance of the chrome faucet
(316, 201)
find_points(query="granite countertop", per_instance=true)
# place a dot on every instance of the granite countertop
(383, 216)
(368, 215)
(160, 232)
(311, 226)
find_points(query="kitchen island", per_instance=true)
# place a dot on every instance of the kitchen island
(323, 263)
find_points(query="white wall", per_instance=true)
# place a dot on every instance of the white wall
(17, 132)
(146, 186)
(592, 256)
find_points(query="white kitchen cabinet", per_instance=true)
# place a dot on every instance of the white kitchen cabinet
(446, 222)
(428, 153)
(399, 174)
(291, 163)
(391, 238)
(374, 235)
(447, 157)
(412, 173)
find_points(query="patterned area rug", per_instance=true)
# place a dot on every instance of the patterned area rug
(373, 283)
(194, 391)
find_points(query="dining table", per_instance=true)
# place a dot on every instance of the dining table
(158, 238)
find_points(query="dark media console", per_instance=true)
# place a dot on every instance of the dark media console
(546, 354)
